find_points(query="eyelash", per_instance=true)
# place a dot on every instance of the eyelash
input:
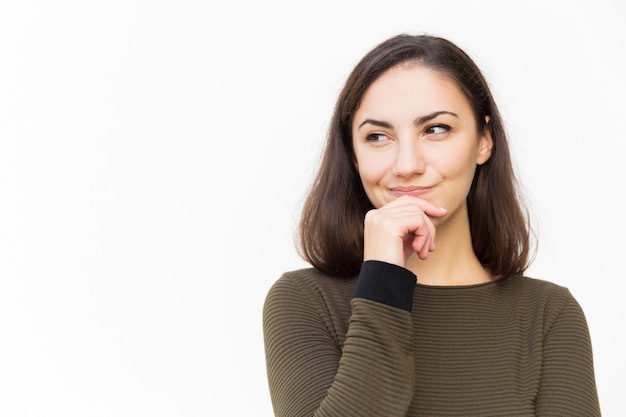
(429, 129)
(374, 137)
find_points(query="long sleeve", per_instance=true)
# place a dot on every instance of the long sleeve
(567, 385)
(380, 345)
(311, 374)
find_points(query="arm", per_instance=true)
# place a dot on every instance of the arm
(309, 374)
(567, 384)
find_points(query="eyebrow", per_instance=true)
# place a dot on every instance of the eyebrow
(386, 125)
(419, 121)
(429, 117)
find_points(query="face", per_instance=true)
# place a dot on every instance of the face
(415, 133)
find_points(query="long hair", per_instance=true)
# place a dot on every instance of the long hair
(331, 225)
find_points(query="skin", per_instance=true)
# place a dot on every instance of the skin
(416, 148)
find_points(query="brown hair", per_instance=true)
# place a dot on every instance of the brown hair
(331, 226)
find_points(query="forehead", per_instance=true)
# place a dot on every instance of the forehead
(414, 89)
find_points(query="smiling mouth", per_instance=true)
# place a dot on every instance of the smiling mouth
(411, 191)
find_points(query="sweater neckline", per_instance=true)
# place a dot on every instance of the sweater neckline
(462, 287)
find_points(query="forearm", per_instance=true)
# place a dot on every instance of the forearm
(375, 372)
(371, 374)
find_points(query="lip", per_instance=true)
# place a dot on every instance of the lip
(410, 190)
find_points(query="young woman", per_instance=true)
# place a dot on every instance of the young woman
(416, 304)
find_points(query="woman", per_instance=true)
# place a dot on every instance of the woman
(416, 304)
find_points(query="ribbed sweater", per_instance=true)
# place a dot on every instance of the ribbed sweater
(381, 345)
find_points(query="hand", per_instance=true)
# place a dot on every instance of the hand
(396, 230)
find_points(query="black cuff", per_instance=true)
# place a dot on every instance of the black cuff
(386, 283)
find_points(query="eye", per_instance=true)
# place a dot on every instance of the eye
(377, 138)
(437, 130)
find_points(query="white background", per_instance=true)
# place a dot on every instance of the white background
(154, 156)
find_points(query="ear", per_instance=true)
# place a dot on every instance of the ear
(485, 144)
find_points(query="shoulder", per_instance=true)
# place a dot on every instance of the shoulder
(536, 286)
(311, 281)
(551, 301)
(312, 287)
(540, 290)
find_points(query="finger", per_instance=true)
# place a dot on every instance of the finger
(419, 243)
(431, 209)
(424, 240)
(436, 211)
(422, 245)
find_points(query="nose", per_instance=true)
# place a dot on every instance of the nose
(409, 158)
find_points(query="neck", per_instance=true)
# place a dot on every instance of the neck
(453, 262)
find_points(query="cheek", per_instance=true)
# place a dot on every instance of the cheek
(451, 166)
(371, 168)
(455, 163)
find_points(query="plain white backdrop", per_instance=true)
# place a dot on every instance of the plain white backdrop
(154, 156)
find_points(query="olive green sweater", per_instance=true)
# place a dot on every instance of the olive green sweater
(382, 345)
